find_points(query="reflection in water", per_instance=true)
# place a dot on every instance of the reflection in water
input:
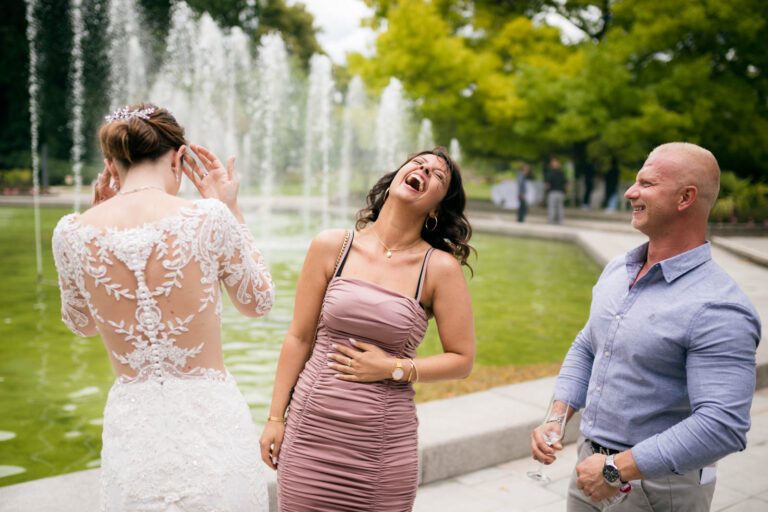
(10, 470)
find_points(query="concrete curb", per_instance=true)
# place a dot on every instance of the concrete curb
(457, 436)
(749, 253)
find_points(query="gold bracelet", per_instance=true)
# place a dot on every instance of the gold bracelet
(413, 367)
(416, 371)
(278, 419)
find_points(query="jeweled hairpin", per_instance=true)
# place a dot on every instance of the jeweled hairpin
(124, 113)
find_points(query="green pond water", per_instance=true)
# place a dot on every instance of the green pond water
(530, 298)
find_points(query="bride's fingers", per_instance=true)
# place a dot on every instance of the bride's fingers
(192, 175)
(200, 173)
(208, 158)
(231, 168)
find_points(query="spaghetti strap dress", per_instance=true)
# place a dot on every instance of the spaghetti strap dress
(352, 446)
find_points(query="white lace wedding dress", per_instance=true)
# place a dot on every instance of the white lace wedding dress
(178, 434)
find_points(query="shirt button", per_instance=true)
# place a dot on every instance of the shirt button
(598, 388)
(606, 353)
(618, 317)
(590, 423)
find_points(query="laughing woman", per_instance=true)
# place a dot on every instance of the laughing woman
(347, 365)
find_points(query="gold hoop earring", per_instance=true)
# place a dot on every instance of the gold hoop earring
(426, 223)
(386, 195)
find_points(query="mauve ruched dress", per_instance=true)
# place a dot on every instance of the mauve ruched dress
(352, 446)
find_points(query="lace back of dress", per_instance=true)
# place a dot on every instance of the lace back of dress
(153, 290)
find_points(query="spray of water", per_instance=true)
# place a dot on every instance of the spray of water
(317, 142)
(272, 97)
(390, 122)
(77, 100)
(34, 124)
(128, 80)
(425, 140)
(455, 150)
(354, 107)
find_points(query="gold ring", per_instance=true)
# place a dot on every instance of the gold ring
(349, 362)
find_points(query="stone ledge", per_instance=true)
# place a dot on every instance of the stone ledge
(751, 254)
(456, 436)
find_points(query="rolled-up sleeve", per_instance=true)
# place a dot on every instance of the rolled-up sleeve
(720, 370)
(573, 381)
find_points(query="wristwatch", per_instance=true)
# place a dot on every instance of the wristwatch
(611, 472)
(398, 373)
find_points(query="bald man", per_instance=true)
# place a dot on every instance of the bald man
(664, 369)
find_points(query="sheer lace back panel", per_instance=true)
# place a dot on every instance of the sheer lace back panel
(152, 291)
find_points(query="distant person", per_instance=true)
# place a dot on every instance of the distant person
(144, 269)
(555, 186)
(664, 369)
(522, 191)
(342, 430)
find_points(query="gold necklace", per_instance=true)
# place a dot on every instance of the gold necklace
(390, 251)
(139, 189)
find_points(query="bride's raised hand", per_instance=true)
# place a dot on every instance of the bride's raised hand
(213, 179)
(105, 186)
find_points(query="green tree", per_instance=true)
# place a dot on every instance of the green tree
(644, 73)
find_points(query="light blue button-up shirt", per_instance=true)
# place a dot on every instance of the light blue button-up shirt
(665, 367)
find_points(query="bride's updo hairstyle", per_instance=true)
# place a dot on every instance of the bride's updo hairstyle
(139, 132)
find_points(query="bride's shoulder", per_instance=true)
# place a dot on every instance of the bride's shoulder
(65, 224)
(210, 206)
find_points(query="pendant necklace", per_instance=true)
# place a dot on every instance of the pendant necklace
(389, 252)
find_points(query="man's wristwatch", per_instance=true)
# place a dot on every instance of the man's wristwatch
(611, 472)
(398, 372)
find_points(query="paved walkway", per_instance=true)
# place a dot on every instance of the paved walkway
(741, 482)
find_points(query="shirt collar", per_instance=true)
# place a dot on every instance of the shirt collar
(673, 267)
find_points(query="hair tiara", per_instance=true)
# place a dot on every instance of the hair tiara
(123, 114)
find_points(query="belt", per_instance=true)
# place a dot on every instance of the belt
(598, 448)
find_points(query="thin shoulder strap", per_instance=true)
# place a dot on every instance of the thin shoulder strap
(423, 274)
(344, 252)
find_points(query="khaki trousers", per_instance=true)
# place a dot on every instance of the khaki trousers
(678, 493)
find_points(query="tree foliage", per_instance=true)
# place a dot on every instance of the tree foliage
(496, 75)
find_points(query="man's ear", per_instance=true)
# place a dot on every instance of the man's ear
(688, 197)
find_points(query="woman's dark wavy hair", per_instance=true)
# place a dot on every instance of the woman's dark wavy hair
(453, 229)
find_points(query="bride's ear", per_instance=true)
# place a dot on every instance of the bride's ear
(178, 159)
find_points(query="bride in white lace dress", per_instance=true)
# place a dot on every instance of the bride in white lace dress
(142, 270)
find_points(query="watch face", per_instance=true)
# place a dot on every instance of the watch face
(398, 373)
(610, 473)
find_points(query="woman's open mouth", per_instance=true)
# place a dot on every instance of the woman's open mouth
(415, 181)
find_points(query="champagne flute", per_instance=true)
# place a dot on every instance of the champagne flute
(552, 431)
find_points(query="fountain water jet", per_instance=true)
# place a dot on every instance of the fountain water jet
(354, 104)
(128, 81)
(390, 125)
(455, 150)
(34, 124)
(425, 140)
(272, 98)
(318, 133)
(78, 140)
